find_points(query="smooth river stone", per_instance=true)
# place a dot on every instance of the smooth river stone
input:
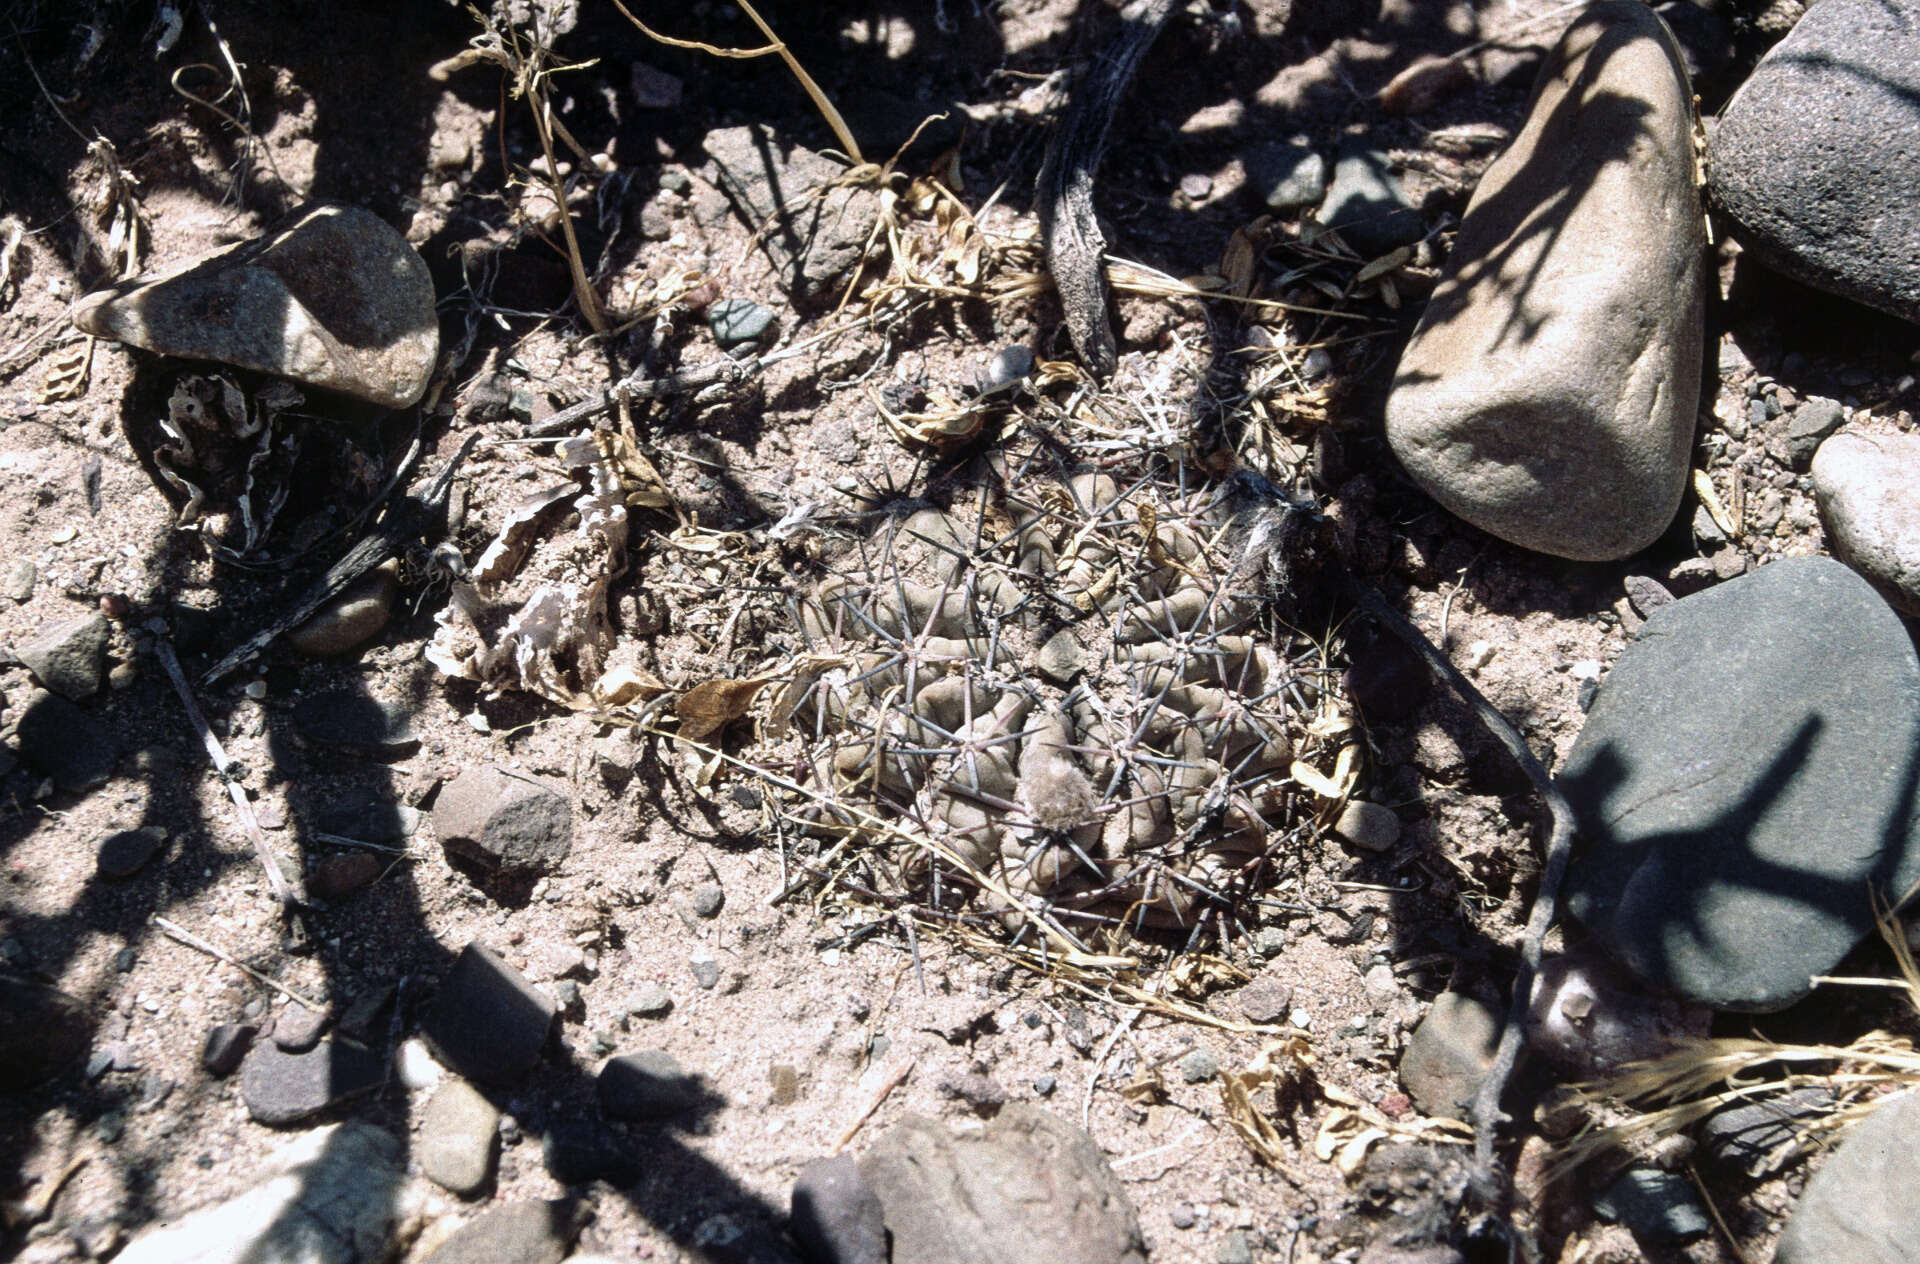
(1865, 485)
(1548, 393)
(1745, 786)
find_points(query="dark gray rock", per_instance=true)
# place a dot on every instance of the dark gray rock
(351, 619)
(1647, 595)
(1030, 1188)
(486, 1021)
(1657, 1206)
(581, 1151)
(505, 820)
(69, 657)
(331, 296)
(1367, 204)
(1739, 794)
(1812, 161)
(1812, 422)
(226, 1045)
(1200, 1066)
(737, 320)
(369, 820)
(125, 853)
(298, 1029)
(729, 1238)
(836, 1218)
(980, 1091)
(817, 233)
(60, 741)
(44, 1032)
(351, 721)
(1286, 176)
(1448, 1054)
(1863, 1205)
(648, 1085)
(514, 1233)
(708, 899)
(338, 876)
(283, 1088)
(459, 1134)
(1265, 1000)
(335, 1195)
(1757, 1137)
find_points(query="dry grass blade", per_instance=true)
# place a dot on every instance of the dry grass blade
(775, 47)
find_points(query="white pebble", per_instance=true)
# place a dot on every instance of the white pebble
(1479, 654)
(415, 1066)
(256, 689)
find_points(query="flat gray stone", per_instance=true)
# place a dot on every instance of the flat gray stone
(69, 657)
(126, 852)
(514, 1233)
(1548, 394)
(1657, 1206)
(459, 1134)
(1366, 202)
(1062, 658)
(298, 1029)
(336, 1195)
(738, 320)
(281, 1088)
(1812, 161)
(1029, 1188)
(1287, 176)
(226, 1045)
(331, 296)
(1868, 497)
(1863, 1205)
(1809, 426)
(1758, 1136)
(486, 1021)
(1369, 826)
(1448, 1054)
(647, 1085)
(1745, 780)
(62, 742)
(813, 234)
(505, 820)
(837, 1218)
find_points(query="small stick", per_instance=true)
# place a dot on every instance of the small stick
(880, 1095)
(192, 940)
(235, 791)
(1100, 1061)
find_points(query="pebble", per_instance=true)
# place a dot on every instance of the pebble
(1548, 393)
(1235, 1248)
(298, 1029)
(649, 1085)
(1863, 1205)
(65, 743)
(348, 720)
(1200, 1066)
(1367, 204)
(1265, 1000)
(514, 1233)
(758, 172)
(1646, 595)
(343, 874)
(737, 320)
(20, 580)
(707, 899)
(459, 1135)
(1009, 368)
(331, 296)
(125, 853)
(1182, 1217)
(1812, 422)
(505, 820)
(1811, 162)
(1028, 1188)
(1587, 1018)
(414, 1065)
(1870, 502)
(783, 1083)
(1657, 1206)
(1062, 658)
(282, 1088)
(369, 820)
(335, 1195)
(70, 657)
(706, 971)
(650, 1001)
(1758, 1136)
(1368, 826)
(1733, 791)
(1287, 176)
(351, 619)
(226, 1045)
(1448, 1054)
(978, 1090)
(486, 1021)
(836, 1216)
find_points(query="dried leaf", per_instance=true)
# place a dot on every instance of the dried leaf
(1237, 263)
(624, 683)
(1703, 487)
(706, 709)
(68, 374)
(1281, 1066)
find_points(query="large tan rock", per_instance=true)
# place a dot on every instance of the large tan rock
(1548, 394)
(332, 296)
